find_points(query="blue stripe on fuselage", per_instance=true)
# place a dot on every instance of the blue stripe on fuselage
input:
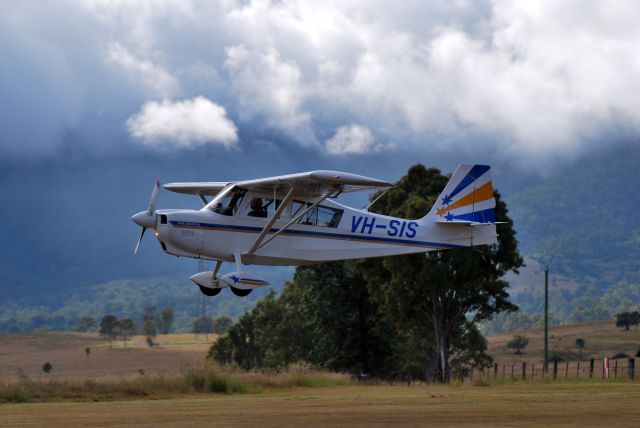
(250, 229)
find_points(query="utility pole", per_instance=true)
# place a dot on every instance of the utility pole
(546, 318)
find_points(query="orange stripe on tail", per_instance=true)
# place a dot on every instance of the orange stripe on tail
(482, 193)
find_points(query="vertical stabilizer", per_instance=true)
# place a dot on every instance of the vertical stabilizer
(467, 197)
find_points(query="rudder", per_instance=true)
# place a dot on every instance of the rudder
(467, 197)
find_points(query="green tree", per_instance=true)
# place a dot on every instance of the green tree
(634, 319)
(165, 320)
(149, 328)
(518, 343)
(580, 344)
(86, 324)
(349, 333)
(109, 328)
(431, 296)
(202, 325)
(148, 312)
(221, 324)
(47, 367)
(126, 328)
(623, 319)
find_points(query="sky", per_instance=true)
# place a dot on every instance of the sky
(531, 84)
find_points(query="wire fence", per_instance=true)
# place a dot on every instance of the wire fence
(604, 368)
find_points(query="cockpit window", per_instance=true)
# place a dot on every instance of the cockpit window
(319, 216)
(228, 201)
(262, 207)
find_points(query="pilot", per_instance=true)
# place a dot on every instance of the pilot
(257, 210)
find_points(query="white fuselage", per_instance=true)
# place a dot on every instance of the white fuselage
(355, 234)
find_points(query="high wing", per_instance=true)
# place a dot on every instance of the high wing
(314, 183)
(307, 184)
(210, 188)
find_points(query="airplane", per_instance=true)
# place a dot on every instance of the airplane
(294, 220)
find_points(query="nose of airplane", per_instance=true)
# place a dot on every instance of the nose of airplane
(143, 219)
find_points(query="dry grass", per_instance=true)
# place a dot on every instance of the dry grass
(577, 405)
(24, 354)
(603, 339)
(199, 378)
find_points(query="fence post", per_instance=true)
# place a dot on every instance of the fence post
(615, 370)
(512, 378)
(495, 370)
(592, 364)
(533, 370)
(524, 370)
(578, 371)
(503, 368)
(555, 369)
(605, 368)
(631, 368)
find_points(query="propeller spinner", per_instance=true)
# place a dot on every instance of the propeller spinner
(147, 219)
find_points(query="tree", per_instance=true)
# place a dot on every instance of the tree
(580, 344)
(109, 328)
(166, 320)
(47, 367)
(148, 312)
(86, 324)
(202, 325)
(635, 319)
(518, 343)
(149, 328)
(432, 295)
(623, 319)
(221, 324)
(126, 328)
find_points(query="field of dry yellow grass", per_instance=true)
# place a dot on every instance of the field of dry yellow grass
(602, 339)
(524, 405)
(24, 354)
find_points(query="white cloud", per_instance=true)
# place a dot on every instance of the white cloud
(352, 139)
(187, 123)
(527, 80)
(158, 81)
(265, 86)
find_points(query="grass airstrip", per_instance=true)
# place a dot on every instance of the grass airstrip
(573, 404)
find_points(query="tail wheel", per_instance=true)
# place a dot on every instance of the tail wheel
(210, 291)
(240, 292)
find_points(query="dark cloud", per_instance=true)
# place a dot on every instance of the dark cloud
(531, 84)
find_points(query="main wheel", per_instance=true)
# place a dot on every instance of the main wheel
(240, 292)
(209, 291)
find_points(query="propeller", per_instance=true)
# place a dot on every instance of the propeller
(146, 219)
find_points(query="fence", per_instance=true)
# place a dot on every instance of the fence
(529, 370)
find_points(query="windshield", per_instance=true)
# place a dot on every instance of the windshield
(227, 201)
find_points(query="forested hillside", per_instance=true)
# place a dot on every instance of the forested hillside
(67, 241)
(585, 219)
(583, 222)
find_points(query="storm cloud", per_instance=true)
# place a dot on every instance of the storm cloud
(529, 80)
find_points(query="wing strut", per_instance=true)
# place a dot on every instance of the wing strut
(295, 219)
(272, 220)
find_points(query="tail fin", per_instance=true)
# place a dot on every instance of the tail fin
(467, 197)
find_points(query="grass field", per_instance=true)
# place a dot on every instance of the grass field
(158, 395)
(24, 354)
(602, 338)
(572, 404)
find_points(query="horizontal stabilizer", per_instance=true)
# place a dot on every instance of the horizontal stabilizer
(469, 223)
